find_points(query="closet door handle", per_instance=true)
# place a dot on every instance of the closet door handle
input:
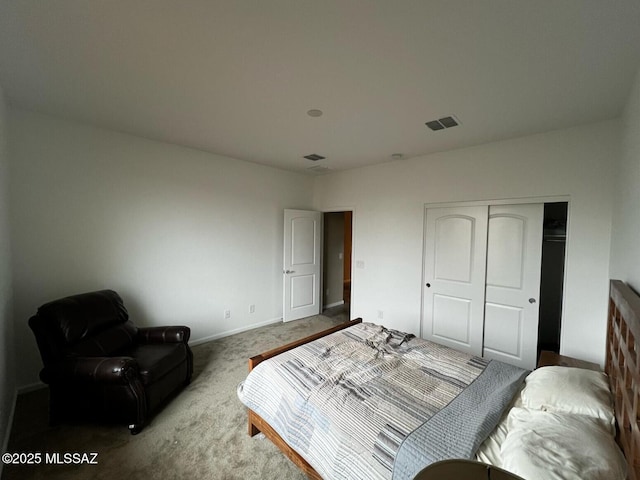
(532, 300)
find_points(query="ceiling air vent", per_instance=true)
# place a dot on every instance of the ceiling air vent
(442, 123)
(314, 157)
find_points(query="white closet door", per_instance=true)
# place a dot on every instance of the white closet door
(455, 261)
(514, 257)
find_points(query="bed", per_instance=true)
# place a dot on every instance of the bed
(332, 403)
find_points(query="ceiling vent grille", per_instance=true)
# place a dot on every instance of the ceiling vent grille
(314, 157)
(442, 123)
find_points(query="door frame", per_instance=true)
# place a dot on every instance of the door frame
(353, 249)
(488, 203)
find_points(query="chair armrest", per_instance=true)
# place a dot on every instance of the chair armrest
(91, 370)
(174, 334)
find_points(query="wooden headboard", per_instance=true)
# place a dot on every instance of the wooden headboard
(623, 367)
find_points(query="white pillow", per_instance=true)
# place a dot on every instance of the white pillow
(570, 390)
(554, 446)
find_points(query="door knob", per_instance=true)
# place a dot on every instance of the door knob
(289, 271)
(428, 285)
(532, 300)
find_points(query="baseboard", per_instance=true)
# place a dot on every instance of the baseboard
(199, 341)
(331, 305)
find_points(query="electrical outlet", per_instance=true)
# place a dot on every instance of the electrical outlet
(359, 263)
(252, 308)
(227, 314)
(380, 314)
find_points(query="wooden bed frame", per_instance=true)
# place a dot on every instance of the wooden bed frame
(257, 424)
(622, 365)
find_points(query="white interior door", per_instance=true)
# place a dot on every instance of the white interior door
(514, 257)
(301, 270)
(455, 261)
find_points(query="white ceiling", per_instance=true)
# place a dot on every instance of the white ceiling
(237, 77)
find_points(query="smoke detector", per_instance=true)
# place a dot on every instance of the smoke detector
(318, 169)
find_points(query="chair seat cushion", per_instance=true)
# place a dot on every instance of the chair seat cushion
(156, 360)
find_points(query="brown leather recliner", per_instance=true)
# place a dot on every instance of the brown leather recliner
(99, 366)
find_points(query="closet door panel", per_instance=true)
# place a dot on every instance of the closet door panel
(452, 318)
(514, 256)
(505, 256)
(455, 269)
(454, 244)
(503, 330)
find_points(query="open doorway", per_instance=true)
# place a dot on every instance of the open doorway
(552, 275)
(336, 268)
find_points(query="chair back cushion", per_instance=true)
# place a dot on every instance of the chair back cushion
(89, 324)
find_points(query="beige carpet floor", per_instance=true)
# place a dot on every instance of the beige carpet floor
(201, 434)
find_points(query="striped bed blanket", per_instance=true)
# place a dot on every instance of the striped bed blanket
(352, 402)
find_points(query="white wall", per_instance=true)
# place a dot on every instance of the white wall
(7, 341)
(181, 234)
(389, 202)
(625, 248)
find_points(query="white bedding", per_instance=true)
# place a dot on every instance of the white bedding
(559, 427)
(544, 445)
(489, 451)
